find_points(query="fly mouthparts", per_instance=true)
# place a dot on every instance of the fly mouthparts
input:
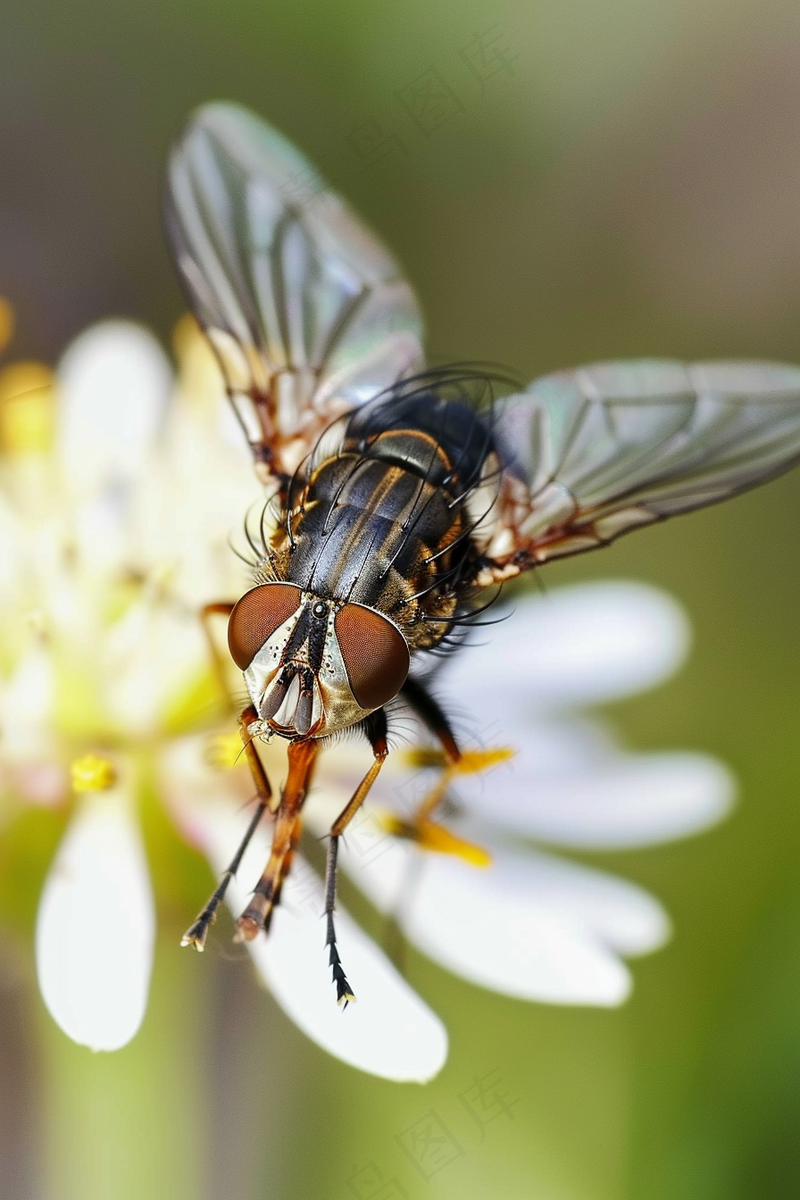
(289, 703)
(275, 697)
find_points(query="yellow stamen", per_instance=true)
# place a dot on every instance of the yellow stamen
(471, 762)
(91, 773)
(223, 750)
(430, 836)
(421, 757)
(6, 322)
(27, 408)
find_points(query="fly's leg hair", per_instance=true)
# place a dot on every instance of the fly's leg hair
(256, 917)
(375, 729)
(196, 934)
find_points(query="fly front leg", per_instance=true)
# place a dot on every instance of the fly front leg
(375, 729)
(286, 867)
(222, 608)
(256, 917)
(196, 934)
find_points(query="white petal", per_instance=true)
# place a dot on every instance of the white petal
(26, 708)
(544, 748)
(13, 539)
(528, 925)
(576, 646)
(113, 382)
(389, 1032)
(202, 487)
(95, 927)
(31, 755)
(622, 916)
(98, 528)
(628, 800)
(148, 656)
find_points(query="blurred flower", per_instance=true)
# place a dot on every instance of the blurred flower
(118, 490)
(116, 507)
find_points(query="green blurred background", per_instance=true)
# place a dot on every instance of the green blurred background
(629, 185)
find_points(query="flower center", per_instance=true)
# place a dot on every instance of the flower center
(91, 773)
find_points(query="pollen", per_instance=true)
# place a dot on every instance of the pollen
(430, 836)
(421, 757)
(91, 773)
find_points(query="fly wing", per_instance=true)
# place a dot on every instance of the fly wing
(598, 451)
(308, 314)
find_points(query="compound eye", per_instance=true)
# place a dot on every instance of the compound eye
(256, 617)
(374, 652)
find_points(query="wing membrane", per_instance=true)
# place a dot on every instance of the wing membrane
(604, 449)
(307, 312)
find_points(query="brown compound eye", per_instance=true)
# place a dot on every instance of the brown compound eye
(374, 652)
(256, 617)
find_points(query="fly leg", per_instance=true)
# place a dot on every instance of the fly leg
(286, 867)
(220, 608)
(431, 713)
(257, 915)
(196, 934)
(452, 761)
(375, 728)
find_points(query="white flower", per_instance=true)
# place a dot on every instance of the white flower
(116, 531)
(530, 924)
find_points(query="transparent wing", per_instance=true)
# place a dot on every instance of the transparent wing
(604, 449)
(308, 314)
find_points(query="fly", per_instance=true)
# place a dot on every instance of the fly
(406, 494)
